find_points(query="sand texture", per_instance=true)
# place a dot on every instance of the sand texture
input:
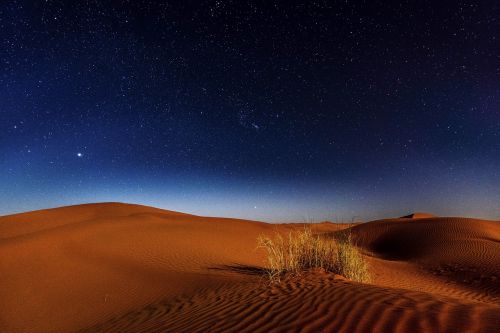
(127, 268)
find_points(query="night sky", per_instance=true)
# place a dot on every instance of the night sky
(275, 111)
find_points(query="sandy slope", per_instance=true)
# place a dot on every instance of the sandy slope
(129, 268)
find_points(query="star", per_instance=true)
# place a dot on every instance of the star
(79, 154)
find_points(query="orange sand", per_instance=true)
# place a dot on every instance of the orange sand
(128, 268)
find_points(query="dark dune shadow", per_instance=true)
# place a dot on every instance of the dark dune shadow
(240, 269)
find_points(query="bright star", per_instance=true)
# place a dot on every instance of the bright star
(79, 154)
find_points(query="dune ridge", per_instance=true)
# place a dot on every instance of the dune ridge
(115, 267)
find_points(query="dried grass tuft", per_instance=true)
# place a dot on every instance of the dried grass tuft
(302, 250)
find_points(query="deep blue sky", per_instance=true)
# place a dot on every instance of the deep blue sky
(263, 110)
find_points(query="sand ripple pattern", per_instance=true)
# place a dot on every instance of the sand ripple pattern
(307, 304)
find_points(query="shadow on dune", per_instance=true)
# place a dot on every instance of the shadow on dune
(240, 269)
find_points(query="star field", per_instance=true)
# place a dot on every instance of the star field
(263, 110)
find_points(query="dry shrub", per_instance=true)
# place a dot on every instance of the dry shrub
(301, 250)
(350, 262)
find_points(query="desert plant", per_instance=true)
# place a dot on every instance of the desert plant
(302, 250)
(350, 261)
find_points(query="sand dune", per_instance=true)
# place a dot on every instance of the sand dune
(462, 254)
(418, 216)
(129, 268)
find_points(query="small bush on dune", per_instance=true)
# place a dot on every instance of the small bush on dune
(297, 252)
(350, 262)
(301, 250)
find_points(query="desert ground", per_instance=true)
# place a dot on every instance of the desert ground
(114, 267)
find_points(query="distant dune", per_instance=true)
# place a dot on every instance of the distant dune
(418, 216)
(114, 267)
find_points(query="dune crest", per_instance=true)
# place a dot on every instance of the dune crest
(418, 216)
(115, 267)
